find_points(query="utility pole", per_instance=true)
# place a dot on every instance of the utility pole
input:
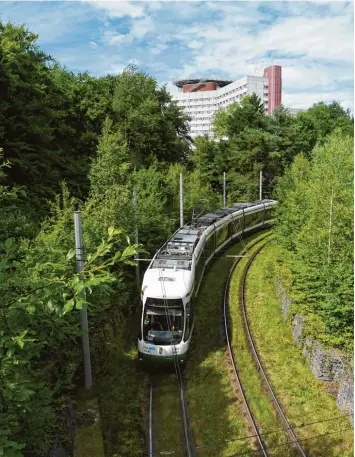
(261, 185)
(224, 189)
(83, 312)
(136, 218)
(181, 202)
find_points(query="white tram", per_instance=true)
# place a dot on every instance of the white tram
(175, 274)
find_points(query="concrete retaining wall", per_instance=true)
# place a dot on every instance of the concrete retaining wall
(328, 365)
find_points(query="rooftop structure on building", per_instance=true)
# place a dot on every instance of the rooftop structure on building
(201, 98)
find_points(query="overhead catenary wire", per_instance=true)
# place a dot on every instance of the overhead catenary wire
(239, 454)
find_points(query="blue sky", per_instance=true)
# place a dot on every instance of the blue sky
(312, 41)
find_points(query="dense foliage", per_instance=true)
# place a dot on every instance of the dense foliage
(316, 228)
(250, 141)
(64, 136)
(66, 139)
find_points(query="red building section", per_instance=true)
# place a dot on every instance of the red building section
(199, 87)
(273, 74)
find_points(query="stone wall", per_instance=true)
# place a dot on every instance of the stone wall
(328, 365)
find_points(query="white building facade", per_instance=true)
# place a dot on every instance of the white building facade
(201, 104)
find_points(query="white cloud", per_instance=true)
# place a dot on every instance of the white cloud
(194, 44)
(313, 41)
(141, 28)
(117, 9)
(306, 77)
(330, 38)
(307, 99)
(159, 48)
(171, 88)
(112, 38)
(50, 25)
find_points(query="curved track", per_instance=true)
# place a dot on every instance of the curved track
(237, 377)
(258, 362)
(261, 444)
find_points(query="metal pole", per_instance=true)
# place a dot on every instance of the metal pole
(83, 313)
(224, 189)
(137, 255)
(261, 185)
(181, 202)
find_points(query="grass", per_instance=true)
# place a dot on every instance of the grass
(88, 438)
(304, 398)
(167, 423)
(216, 416)
(258, 399)
(120, 391)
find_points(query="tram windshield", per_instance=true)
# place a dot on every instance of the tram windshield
(163, 327)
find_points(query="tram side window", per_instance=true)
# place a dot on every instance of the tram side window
(230, 228)
(270, 213)
(209, 246)
(238, 224)
(222, 234)
(248, 220)
(252, 219)
(199, 267)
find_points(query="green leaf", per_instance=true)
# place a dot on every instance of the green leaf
(70, 254)
(68, 306)
(8, 243)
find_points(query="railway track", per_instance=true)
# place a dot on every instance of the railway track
(189, 448)
(261, 443)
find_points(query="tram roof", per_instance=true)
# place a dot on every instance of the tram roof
(181, 245)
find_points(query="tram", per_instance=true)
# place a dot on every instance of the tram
(173, 277)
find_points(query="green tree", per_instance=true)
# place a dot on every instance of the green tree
(27, 132)
(150, 123)
(249, 113)
(39, 293)
(316, 227)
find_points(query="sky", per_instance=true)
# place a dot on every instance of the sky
(170, 40)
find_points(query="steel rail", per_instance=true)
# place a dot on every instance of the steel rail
(190, 448)
(236, 374)
(257, 358)
(150, 426)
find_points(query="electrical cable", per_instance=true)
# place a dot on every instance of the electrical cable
(270, 432)
(288, 443)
